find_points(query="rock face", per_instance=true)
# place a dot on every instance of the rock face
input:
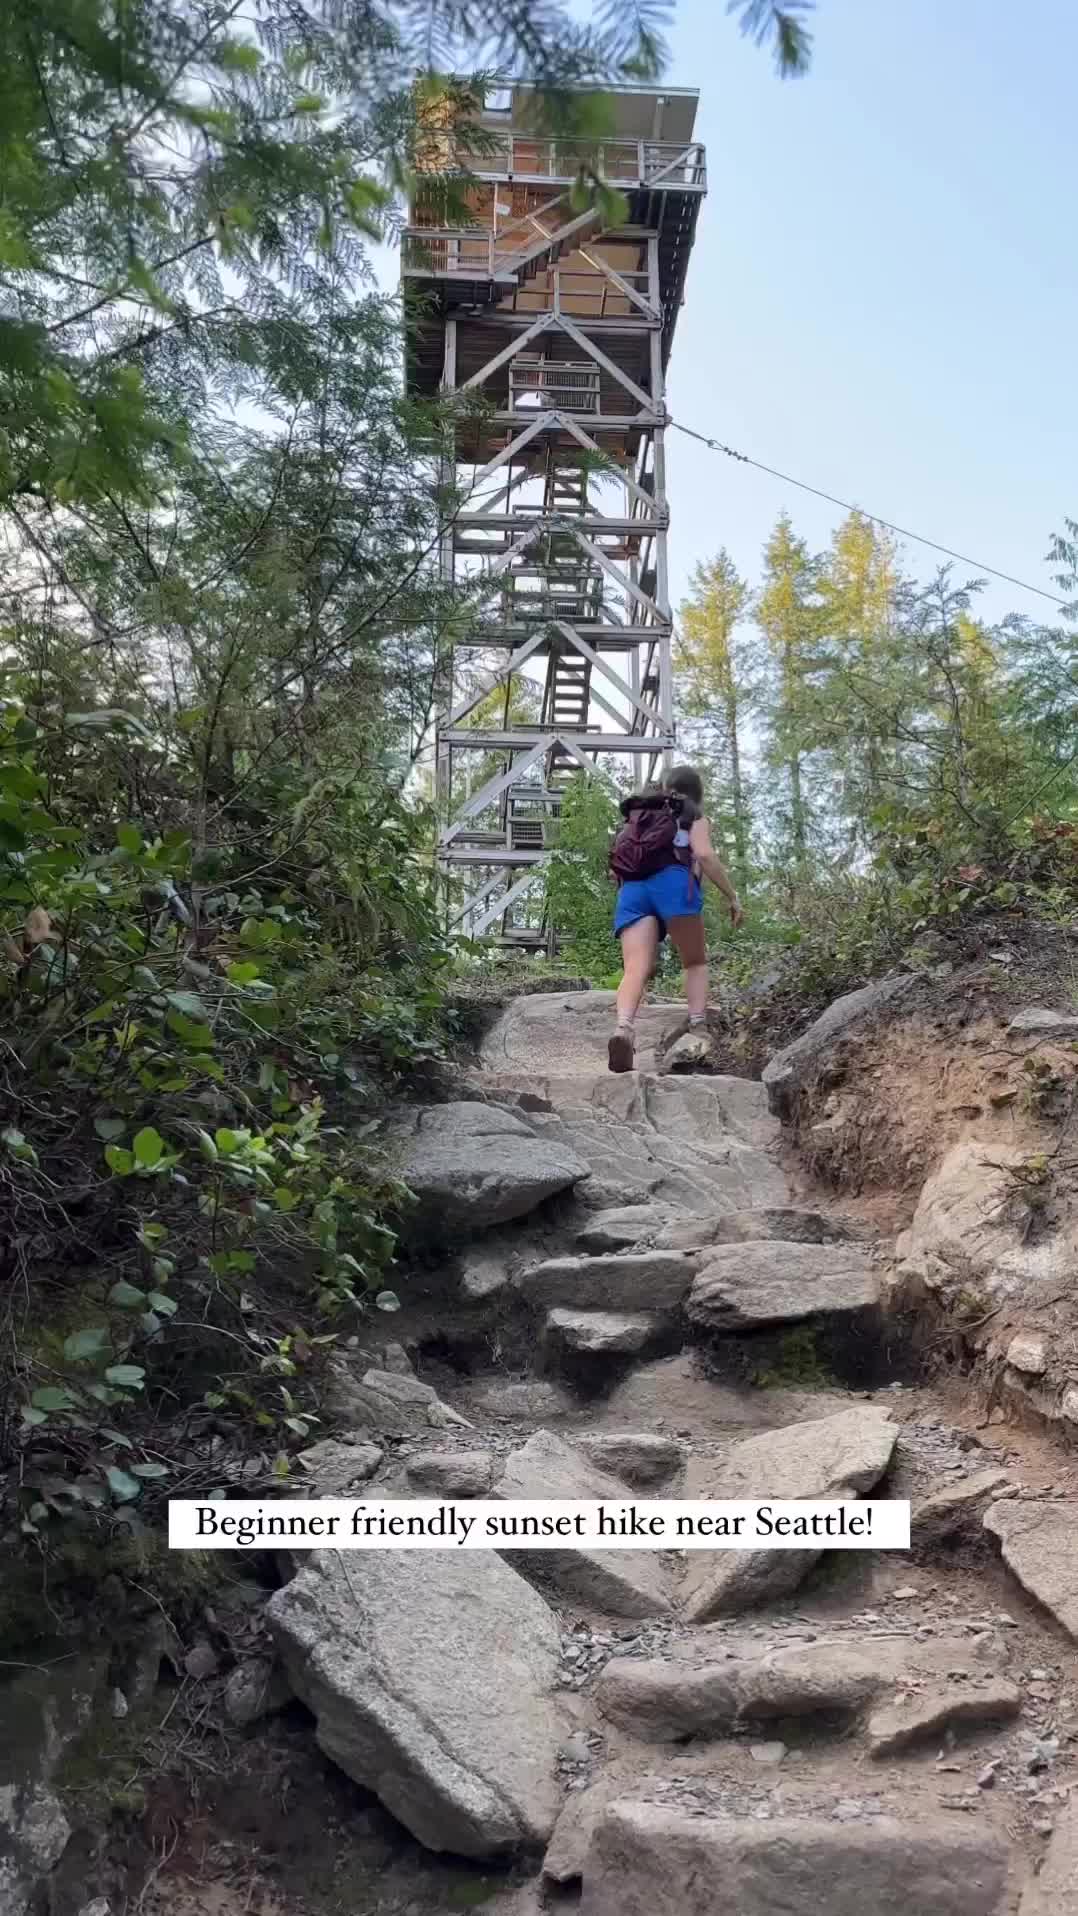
(555, 1034)
(658, 1859)
(472, 1166)
(1036, 1021)
(600, 1333)
(633, 1281)
(1040, 1544)
(386, 1658)
(791, 1068)
(750, 1286)
(623, 1583)
(838, 1456)
(623, 1228)
(968, 1228)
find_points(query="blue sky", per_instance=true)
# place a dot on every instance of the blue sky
(884, 291)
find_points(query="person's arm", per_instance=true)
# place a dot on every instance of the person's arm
(712, 867)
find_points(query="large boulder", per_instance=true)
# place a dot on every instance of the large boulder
(623, 1583)
(471, 1166)
(565, 1034)
(383, 1646)
(600, 1333)
(792, 1225)
(1040, 1544)
(640, 1458)
(831, 1457)
(756, 1286)
(656, 1858)
(798, 1063)
(386, 1403)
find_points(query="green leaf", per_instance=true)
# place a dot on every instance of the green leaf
(126, 1297)
(125, 1376)
(129, 839)
(108, 1128)
(52, 1397)
(387, 1301)
(226, 1142)
(124, 1487)
(149, 1146)
(189, 1004)
(83, 1345)
(165, 1306)
(119, 1160)
(243, 974)
(34, 1416)
(149, 1470)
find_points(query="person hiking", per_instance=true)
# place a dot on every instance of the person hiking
(658, 858)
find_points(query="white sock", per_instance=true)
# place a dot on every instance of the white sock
(697, 1018)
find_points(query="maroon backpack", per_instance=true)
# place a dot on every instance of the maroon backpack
(645, 843)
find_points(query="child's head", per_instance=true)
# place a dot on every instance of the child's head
(687, 781)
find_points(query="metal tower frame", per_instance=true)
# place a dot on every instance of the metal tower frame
(553, 332)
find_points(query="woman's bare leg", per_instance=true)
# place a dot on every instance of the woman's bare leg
(639, 949)
(687, 936)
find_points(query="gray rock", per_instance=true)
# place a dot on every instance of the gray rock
(484, 1273)
(791, 1068)
(387, 1404)
(386, 1652)
(471, 1166)
(555, 1034)
(601, 1333)
(662, 1700)
(947, 1707)
(201, 1662)
(395, 1358)
(693, 1051)
(750, 1227)
(955, 1507)
(451, 1473)
(1054, 1891)
(634, 1281)
(750, 1286)
(1036, 1021)
(624, 1583)
(1027, 1353)
(336, 1464)
(639, 1458)
(768, 1753)
(1040, 1545)
(525, 1400)
(837, 1456)
(568, 1847)
(254, 1690)
(659, 1859)
(34, 1833)
(622, 1228)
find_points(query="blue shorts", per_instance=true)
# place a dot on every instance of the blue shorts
(671, 893)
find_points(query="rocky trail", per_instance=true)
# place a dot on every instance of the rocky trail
(626, 1286)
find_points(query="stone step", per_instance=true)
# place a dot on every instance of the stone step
(665, 1857)
(602, 1333)
(629, 1281)
(757, 1286)
(622, 1583)
(945, 1682)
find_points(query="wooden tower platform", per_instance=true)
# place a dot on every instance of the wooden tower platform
(554, 333)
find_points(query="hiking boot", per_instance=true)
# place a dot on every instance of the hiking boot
(620, 1050)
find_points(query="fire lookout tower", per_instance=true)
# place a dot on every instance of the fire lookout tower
(562, 328)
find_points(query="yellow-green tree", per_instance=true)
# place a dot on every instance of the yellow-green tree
(719, 686)
(788, 614)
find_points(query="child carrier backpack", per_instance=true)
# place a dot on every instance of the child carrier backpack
(646, 843)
